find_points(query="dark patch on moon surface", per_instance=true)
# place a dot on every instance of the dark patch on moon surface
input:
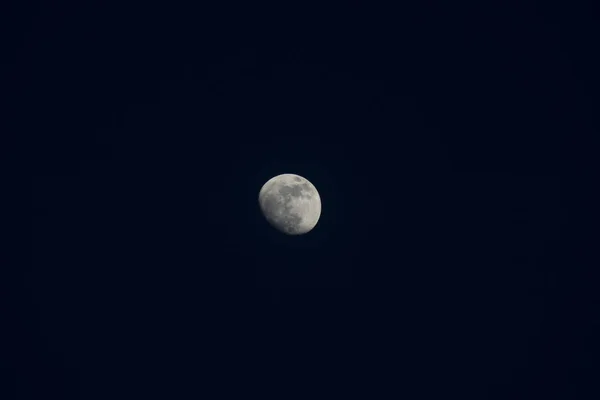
(290, 223)
(286, 191)
(297, 179)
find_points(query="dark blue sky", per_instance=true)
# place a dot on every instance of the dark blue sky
(444, 141)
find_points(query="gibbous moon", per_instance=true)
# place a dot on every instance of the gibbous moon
(290, 203)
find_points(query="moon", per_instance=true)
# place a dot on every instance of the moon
(290, 203)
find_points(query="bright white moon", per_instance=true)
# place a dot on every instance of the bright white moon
(290, 203)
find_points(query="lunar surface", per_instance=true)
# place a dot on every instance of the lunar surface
(290, 203)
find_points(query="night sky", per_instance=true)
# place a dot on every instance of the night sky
(448, 144)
